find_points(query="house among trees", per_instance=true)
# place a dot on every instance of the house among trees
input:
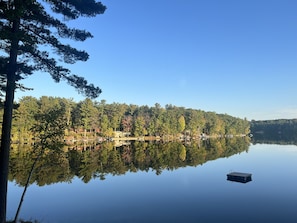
(119, 134)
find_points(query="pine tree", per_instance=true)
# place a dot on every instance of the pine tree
(25, 26)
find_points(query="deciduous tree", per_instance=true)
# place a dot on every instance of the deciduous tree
(181, 123)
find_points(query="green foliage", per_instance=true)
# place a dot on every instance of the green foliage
(138, 120)
(49, 128)
(24, 119)
(139, 127)
(181, 124)
(88, 114)
(195, 120)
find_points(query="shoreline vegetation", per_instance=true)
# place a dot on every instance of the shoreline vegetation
(120, 139)
(90, 120)
(82, 143)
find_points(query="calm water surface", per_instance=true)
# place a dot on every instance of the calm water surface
(188, 194)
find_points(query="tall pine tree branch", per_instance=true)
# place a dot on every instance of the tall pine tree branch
(25, 26)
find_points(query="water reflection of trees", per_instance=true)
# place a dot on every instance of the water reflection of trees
(106, 159)
(290, 139)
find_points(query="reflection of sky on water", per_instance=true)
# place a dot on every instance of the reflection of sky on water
(200, 194)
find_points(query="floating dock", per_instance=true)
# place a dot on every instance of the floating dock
(239, 177)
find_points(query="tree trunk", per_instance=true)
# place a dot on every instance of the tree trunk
(5, 147)
(7, 120)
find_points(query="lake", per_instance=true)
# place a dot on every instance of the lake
(160, 182)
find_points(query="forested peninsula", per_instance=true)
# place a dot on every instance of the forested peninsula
(282, 131)
(93, 120)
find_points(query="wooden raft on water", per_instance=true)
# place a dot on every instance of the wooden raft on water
(239, 177)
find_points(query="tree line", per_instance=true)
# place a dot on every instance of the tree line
(279, 130)
(93, 118)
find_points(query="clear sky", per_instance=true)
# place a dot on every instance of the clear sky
(237, 57)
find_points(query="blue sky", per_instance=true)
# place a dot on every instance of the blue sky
(227, 56)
